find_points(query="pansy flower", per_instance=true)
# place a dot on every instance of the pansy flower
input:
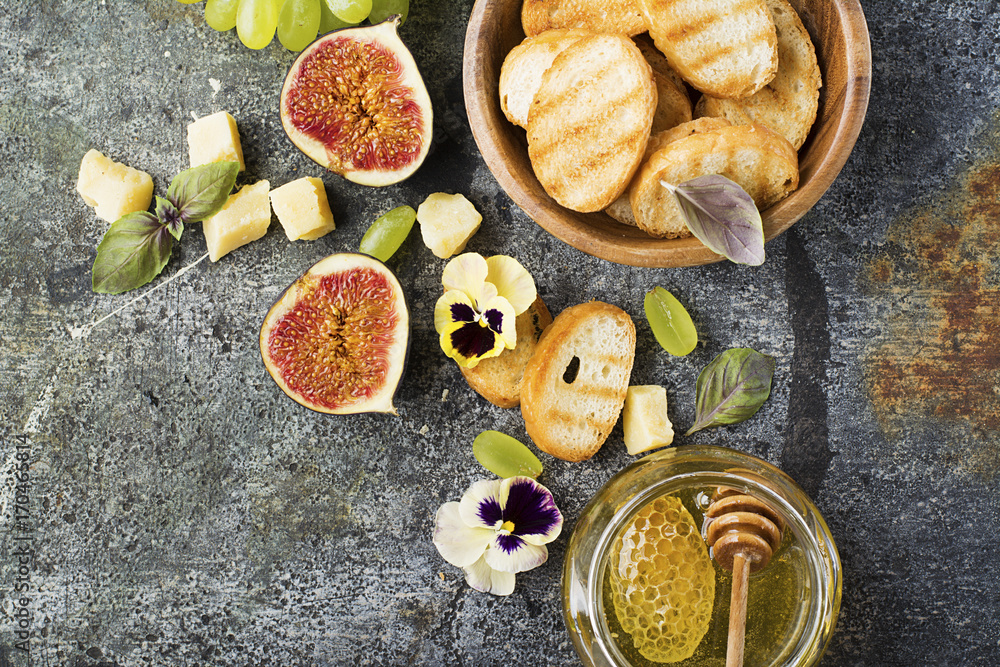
(499, 528)
(475, 317)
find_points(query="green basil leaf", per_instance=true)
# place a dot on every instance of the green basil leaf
(722, 216)
(170, 216)
(732, 388)
(133, 251)
(200, 192)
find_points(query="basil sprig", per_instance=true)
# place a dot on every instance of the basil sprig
(137, 246)
(723, 216)
(732, 388)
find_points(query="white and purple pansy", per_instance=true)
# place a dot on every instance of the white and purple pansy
(499, 528)
(475, 316)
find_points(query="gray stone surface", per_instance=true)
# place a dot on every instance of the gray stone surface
(182, 511)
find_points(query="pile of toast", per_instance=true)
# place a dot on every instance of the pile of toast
(617, 96)
(569, 375)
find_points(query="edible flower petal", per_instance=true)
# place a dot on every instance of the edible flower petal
(512, 281)
(475, 316)
(459, 544)
(466, 273)
(499, 528)
(485, 579)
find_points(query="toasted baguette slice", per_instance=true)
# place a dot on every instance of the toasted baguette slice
(723, 48)
(498, 379)
(621, 208)
(673, 106)
(569, 408)
(761, 161)
(621, 17)
(657, 60)
(522, 70)
(589, 121)
(789, 102)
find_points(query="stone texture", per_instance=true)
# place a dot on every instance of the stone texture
(184, 512)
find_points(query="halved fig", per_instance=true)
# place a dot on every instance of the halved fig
(336, 341)
(354, 102)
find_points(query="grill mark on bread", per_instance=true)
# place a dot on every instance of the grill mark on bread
(693, 28)
(572, 419)
(615, 136)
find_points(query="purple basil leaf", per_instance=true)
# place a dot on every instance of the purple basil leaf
(200, 192)
(170, 216)
(133, 251)
(722, 216)
(732, 388)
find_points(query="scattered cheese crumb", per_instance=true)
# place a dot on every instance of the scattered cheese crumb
(215, 84)
(424, 430)
(444, 395)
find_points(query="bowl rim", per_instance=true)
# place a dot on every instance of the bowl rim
(618, 243)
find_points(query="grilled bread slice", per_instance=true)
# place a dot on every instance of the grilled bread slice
(761, 161)
(498, 379)
(621, 209)
(589, 121)
(657, 60)
(724, 48)
(615, 16)
(575, 384)
(522, 70)
(789, 102)
(673, 106)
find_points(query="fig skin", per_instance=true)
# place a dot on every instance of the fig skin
(390, 132)
(397, 355)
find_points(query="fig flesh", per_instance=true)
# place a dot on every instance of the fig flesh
(337, 340)
(355, 103)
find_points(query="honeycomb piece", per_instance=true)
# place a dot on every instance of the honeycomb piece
(663, 582)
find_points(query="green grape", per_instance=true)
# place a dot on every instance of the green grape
(221, 14)
(298, 23)
(352, 11)
(505, 456)
(383, 9)
(327, 21)
(671, 324)
(188, 2)
(386, 234)
(256, 21)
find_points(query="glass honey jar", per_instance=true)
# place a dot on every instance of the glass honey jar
(640, 586)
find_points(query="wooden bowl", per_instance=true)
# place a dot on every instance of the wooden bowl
(840, 34)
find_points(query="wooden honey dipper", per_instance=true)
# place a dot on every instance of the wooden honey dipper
(744, 533)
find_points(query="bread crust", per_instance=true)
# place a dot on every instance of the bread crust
(498, 379)
(571, 420)
(589, 121)
(613, 16)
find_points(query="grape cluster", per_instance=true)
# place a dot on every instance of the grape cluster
(296, 22)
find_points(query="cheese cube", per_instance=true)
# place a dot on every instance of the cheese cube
(214, 138)
(113, 188)
(447, 222)
(645, 420)
(245, 218)
(303, 209)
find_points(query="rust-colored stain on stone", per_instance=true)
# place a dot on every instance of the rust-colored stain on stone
(939, 353)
